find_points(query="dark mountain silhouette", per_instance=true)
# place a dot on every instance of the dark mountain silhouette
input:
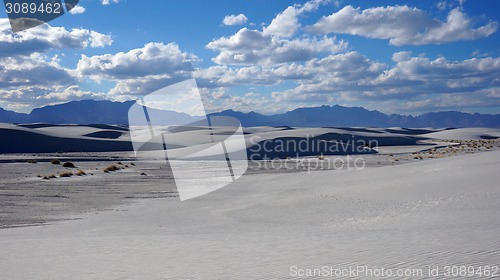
(109, 112)
(335, 116)
(338, 116)
(83, 112)
(249, 119)
(12, 117)
(87, 112)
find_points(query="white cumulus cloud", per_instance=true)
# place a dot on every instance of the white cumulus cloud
(402, 25)
(77, 10)
(248, 47)
(46, 37)
(139, 71)
(107, 2)
(235, 19)
(353, 77)
(286, 23)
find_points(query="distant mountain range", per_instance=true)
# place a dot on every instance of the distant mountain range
(87, 112)
(339, 116)
(109, 112)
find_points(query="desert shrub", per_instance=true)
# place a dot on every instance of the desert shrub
(55, 161)
(31, 161)
(68, 164)
(321, 158)
(66, 174)
(80, 173)
(144, 174)
(111, 168)
(133, 164)
(48, 177)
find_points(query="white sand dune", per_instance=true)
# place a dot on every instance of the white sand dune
(439, 212)
(43, 138)
(465, 134)
(46, 138)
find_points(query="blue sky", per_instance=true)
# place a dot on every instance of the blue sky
(268, 56)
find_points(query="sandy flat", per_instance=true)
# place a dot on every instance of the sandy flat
(438, 212)
(426, 197)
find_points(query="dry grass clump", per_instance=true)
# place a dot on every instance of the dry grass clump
(418, 157)
(321, 158)
(111, 168)
(114, 167)
(66, 174)
(55, 161)
(68, 164)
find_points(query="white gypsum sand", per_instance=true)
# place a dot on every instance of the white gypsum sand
(428, 213)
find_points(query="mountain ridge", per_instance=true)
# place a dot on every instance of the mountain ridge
(112, 112)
